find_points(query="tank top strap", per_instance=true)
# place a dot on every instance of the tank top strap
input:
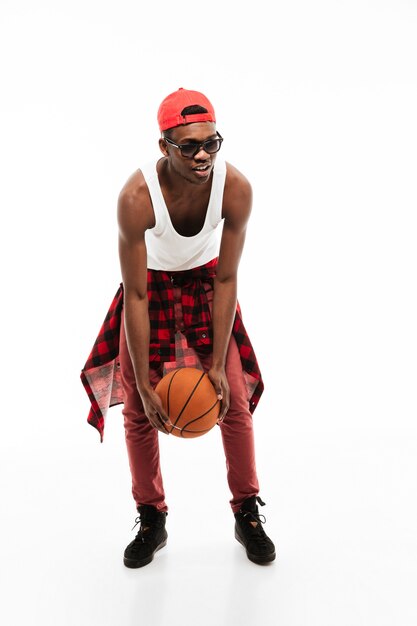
(214, 209)
(158, 203)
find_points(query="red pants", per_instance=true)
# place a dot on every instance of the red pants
(142, 439)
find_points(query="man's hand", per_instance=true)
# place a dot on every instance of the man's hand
(154, 410)
(219, 380)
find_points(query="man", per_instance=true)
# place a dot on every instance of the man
(180, 292)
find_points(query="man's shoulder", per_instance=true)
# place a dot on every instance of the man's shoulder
(237, 186)
(134, 188)
(134, 199)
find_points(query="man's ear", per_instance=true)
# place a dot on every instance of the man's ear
(163, 147)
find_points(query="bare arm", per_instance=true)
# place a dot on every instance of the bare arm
(236, 211)
(134, 217)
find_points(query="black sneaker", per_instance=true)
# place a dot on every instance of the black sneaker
(151, 537)
(249, 532)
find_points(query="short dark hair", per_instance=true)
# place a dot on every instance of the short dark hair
(194, 108)
(190, 110)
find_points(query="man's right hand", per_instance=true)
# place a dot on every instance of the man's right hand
(154, 410)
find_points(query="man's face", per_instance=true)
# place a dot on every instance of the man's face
(197, 169)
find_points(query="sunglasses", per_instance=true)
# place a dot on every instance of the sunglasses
(189, 150)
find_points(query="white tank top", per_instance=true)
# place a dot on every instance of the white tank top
(166, 248)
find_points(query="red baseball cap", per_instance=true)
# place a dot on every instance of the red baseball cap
(169, 112)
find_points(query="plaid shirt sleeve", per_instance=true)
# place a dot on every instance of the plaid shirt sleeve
(101, 372)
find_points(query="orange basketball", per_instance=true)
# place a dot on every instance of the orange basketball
(190, 401)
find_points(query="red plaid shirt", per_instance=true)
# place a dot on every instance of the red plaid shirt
(101, 373)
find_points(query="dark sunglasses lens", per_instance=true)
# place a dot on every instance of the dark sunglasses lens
(189, 149)
(212, 146)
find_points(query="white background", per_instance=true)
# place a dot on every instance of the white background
(317, 103)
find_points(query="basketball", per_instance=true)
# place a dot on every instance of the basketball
(190, 401)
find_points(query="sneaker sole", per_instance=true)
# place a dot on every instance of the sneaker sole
(255, 558)
(135, 564)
